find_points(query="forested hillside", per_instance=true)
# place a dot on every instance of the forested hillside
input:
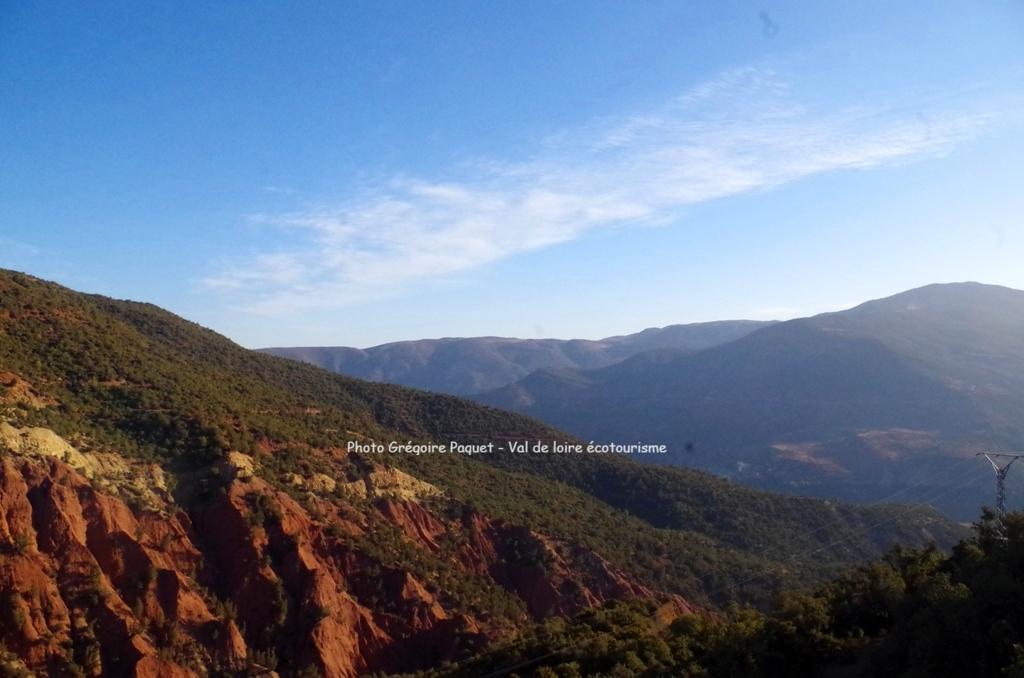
(172, 501)
(911, 613)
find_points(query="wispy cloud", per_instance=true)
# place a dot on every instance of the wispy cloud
(738, 133)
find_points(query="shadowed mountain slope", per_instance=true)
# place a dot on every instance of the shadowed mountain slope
(885, 397)
(171, 503)
(463, 366)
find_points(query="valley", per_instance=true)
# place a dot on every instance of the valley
(886, 401)
(891, 399)
(576, 339)
(175, 503)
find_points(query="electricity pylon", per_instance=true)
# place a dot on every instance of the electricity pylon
(1001, 469)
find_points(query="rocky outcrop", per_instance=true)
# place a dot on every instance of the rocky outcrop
(92, 587)
(253, 576)
(417, 523)
(551, 576)
(390, 482)
(141, 483)
(42, 443)
(236, 465)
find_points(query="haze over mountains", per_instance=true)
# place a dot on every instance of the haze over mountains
(886, 397)
(464, 366)
(174, 505)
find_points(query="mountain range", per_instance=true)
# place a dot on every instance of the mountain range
(464, 366)
(890, 398)
(174, 505)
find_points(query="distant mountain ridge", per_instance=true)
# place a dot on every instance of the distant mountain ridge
(856, 404)
(174, 505)
(465, 366)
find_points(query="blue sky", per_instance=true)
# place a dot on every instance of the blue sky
(361, 172)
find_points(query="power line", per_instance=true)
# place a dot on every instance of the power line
(1001, 471)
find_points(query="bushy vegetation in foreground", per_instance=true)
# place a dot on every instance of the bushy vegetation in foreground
(912, 613)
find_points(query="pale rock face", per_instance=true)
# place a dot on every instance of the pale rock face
(108, 470)
(356, 488)
(391, 483)
(237, 465)
(40, 443)
(323, 483)
(320, 483)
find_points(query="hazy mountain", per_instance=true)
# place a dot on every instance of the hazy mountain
(888, 396)
(463, 366)
(172, 504)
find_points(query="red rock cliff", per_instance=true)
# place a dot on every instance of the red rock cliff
(251, 578)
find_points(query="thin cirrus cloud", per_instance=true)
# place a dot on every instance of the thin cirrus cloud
(738, 133)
